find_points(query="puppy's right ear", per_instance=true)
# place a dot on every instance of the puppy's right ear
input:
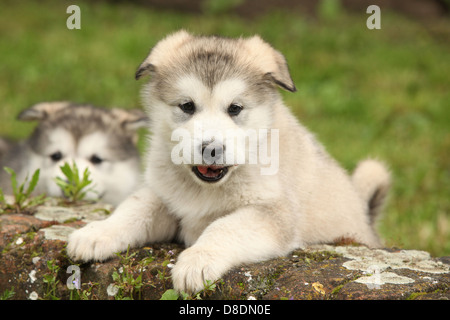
(41, 111)
(144, 69)
(163, 50)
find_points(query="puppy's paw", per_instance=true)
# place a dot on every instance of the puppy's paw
(193, 267)
(96, 241)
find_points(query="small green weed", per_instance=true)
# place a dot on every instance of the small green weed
(51, 281)
(22, 195)
(7, 294)
(171, 294)
(208, 289)
(126, 282)
(74, 188)
(162, 275)
(84, 294)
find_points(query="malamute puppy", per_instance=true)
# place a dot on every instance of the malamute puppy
(102, 140)
(229, 208)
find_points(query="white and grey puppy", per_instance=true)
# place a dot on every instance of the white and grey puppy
(102, 140)
(229, 213)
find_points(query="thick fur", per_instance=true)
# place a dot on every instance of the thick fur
(102, 140)
(247, 216)
(372, 181)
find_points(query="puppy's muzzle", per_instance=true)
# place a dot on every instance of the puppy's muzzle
(212, 153)
(213, 166)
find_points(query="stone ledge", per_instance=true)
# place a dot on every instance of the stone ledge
(32, 245)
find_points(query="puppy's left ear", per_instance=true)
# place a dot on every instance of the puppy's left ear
(162, 52)
(281, 76)
(42, 110)
(272, 62)
(131, 120)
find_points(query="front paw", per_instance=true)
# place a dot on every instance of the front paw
(96, 241)
(194, 267)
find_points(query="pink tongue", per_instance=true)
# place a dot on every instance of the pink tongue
(204, 169)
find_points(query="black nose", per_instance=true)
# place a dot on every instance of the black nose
(212, 152)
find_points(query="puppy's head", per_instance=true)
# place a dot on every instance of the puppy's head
(98, 139)
(206, 92)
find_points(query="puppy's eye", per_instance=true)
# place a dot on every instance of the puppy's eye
(96, 159)
(234, 109)
(56, 156)
(187, 107)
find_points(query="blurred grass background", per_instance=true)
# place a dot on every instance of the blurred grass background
(380, 93)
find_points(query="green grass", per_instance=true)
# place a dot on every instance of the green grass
(381, 93)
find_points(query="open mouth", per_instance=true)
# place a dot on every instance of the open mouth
(210, 173)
